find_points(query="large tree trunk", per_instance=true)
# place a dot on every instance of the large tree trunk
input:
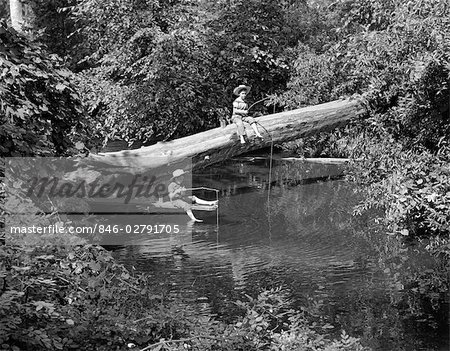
(218, 144)
(16, 11)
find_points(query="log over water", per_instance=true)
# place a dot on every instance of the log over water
(218, 144)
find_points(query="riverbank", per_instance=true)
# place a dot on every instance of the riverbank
(55, 297)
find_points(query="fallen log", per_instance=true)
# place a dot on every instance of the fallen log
(218, 144)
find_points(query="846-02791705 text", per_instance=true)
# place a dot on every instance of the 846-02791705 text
(98, 229)
(138, 228)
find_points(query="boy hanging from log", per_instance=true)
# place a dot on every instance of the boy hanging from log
(240, 113)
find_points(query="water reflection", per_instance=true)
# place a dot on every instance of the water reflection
(301, 237)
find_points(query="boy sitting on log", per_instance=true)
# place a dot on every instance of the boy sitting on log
(240, 113)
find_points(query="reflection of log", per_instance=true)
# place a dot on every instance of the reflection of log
(221, 143)
(321, 160)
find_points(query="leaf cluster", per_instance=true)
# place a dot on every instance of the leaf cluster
(78, 298)
(412, 188)
(40, 111)
(395, 54)
(160, 70)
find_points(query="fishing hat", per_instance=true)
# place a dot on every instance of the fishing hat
(241, 87)
(178, 173)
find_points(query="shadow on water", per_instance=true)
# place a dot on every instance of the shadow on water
(301, 237)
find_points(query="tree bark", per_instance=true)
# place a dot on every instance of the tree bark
(16, 12)
(218, 144)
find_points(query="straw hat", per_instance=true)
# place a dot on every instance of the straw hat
(241, 87)
(178, 173)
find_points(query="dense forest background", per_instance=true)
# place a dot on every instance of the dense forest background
(84, 72)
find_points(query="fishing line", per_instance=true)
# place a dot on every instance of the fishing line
(270, 178)
(268, 190)
(271, 149)
(271, 154)
(270, 163)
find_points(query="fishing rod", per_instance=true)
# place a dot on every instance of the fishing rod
(257, 102)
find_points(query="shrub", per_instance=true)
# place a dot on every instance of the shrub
(40, 111)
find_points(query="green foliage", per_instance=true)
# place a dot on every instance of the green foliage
(176, 96)
(52, 25)
(322, 144)
(41, 113)
(303, 339)
(4, 9)
(247, 39)
(107, 28)
(78, 298)
(396, 55)
(161, 70)
(152, 69)
(413, 189)
(271, 324)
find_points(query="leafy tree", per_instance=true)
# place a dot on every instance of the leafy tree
(246, 38)
(155, 70)
(108, 28)
(170, 67)
(158, 70)
(52, 25)
(397, 55)
(41, 113)
(4, 9)
(370, 57)
(158, 78)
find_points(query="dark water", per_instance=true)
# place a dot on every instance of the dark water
(302, 237)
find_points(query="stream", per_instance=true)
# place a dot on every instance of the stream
(296, 231)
